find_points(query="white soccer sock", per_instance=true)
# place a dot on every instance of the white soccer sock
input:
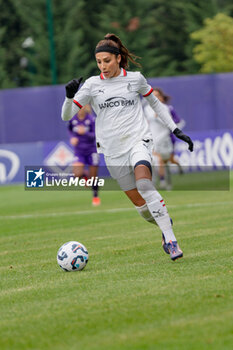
(146, 214)
(157, 207)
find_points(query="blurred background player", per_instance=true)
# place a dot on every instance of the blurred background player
(82, 138)
(163, 139)
(180, 122)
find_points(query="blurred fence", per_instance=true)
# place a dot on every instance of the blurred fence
(212, 151)
(33, 114)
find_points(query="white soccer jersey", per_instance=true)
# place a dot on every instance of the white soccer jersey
(160, 132)
(120, 121)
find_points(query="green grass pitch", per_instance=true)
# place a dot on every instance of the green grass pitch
(131, 296)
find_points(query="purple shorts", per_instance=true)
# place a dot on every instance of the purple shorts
(87, 159)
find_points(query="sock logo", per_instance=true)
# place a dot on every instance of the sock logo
(157, 213)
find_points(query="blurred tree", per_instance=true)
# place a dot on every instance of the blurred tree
(12, 34)
(128, 20)
(225, 6)
(215, 52)
(160, 33)
(195, 12)
(76, 34)
(156, 30)
(37, 70)
(168, 37)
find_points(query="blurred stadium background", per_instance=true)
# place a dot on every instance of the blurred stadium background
(186, 49)
(131, 296)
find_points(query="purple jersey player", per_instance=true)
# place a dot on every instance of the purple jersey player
(82, 138)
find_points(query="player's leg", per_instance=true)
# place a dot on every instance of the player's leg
(140, 158)
(78, 169)
(155, 168)
(121, 171)
(168, 176)
(93, 161)
(95, 188)
(143, 210)
(158, 210)
(140, 205)
(162, 180)
(174, 161)
(170, 247)
(165, 150)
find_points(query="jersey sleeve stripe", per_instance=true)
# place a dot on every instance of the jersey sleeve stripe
(148, 93)
(78, 104)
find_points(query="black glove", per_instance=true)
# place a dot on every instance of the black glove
(183, 137)
(72, 87)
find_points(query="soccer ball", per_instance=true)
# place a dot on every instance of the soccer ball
(72, 256)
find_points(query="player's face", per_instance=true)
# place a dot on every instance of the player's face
(108, 64)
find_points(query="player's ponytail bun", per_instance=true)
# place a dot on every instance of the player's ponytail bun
(115, 41)
(112, 37)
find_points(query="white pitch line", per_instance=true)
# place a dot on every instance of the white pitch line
(84, 212)
(114, 210)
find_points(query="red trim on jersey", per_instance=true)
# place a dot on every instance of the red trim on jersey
(124, 72)
(148, 93)
(101, 76)
(78, 104)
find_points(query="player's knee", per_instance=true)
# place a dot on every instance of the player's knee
(145, 163)
(145, 188)
(144, 185)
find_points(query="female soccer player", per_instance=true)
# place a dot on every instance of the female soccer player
(82, 138)
(179, 122)
(122, 133)
(163, 139)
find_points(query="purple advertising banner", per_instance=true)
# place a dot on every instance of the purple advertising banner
(34, 114)
(212, 149)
